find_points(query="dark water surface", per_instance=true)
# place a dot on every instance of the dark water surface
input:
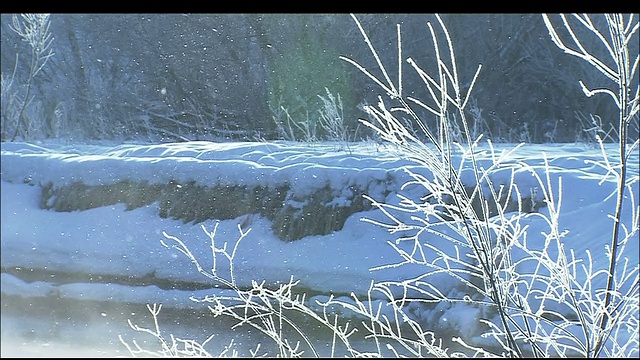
(55, 327)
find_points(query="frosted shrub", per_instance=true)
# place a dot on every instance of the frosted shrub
(559, 308)
(292, 130)
(618, 301)
(259, 307)
(10, 105)
(329, 124)
(332, 117)
(33, 29)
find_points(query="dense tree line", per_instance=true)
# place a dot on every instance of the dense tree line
(169, 77)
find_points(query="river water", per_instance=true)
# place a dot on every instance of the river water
(54, 327)
(59, 327)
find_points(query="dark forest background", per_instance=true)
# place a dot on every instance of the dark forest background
(175, 77)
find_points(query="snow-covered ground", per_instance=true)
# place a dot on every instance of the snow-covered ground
(109, 257)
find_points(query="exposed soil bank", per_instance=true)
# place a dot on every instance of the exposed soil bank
(292, 218)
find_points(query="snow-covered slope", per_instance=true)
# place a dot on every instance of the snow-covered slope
(114, 253)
